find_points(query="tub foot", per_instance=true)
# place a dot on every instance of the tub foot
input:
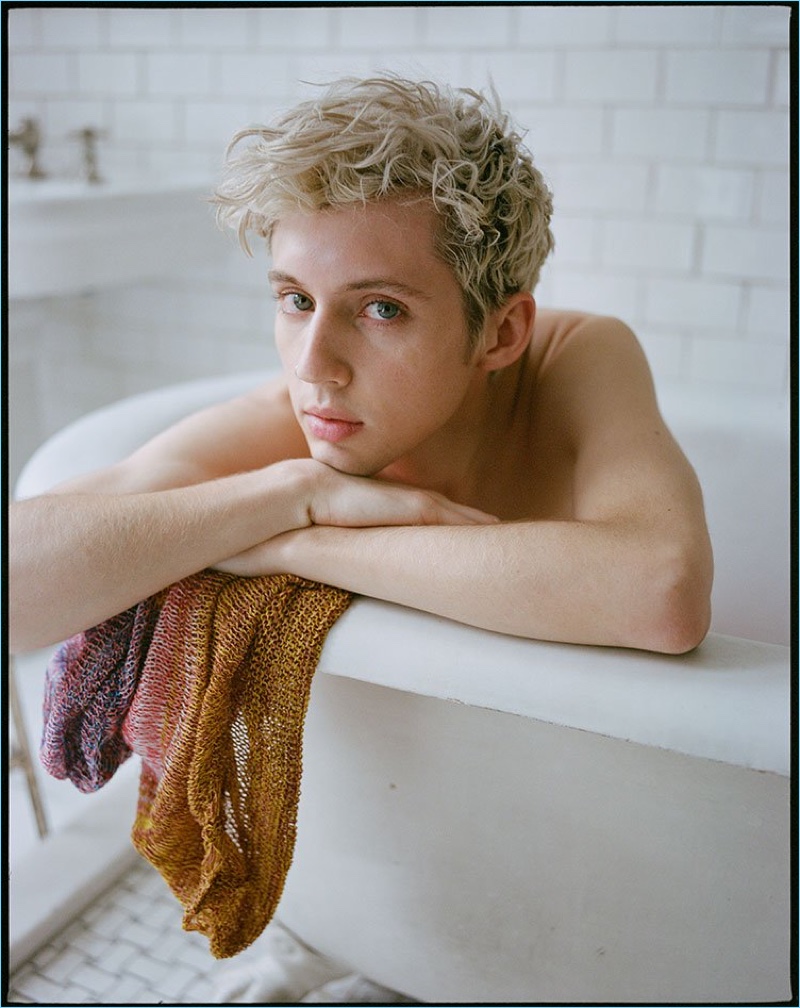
(277, 968)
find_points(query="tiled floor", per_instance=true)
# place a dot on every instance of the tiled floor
(127, 948)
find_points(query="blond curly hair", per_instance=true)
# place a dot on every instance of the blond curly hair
(387, 137)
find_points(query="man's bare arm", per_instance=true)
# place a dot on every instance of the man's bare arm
(600, 583)
(78, 558)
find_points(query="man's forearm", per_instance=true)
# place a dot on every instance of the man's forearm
(79, 557)
(578, 582)
(76, 559)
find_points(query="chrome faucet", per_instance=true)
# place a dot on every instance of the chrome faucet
(28, 137)
(89, 137)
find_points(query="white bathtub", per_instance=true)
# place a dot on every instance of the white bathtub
(485, 818)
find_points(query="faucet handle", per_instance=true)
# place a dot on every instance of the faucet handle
(28, 137)
(89, 136)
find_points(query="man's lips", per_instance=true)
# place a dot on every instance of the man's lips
(327, 425)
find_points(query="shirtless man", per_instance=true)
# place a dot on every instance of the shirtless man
(434, 441)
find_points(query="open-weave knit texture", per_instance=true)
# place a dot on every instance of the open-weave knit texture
(89, 688)
(217, 717)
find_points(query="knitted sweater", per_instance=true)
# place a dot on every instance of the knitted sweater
(208, 682)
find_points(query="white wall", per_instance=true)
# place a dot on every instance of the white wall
(663, 131)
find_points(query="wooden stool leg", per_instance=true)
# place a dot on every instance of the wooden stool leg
(21, 754)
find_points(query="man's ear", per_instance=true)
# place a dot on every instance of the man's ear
(508, 332)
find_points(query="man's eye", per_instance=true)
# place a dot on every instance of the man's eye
(298, 302)
(292, 302)
(383, 310)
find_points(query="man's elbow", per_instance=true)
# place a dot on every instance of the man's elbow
(683, 627)
(681, 605)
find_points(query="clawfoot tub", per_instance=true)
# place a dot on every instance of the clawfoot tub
(485, 818)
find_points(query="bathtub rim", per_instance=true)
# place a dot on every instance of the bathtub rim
(728, 700)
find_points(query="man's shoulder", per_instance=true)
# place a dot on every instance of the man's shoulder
(558, 324)
(557, 331)
(254, 429)
(260, 420)
(592, 376)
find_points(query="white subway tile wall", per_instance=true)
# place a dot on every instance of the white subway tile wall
(663, 130)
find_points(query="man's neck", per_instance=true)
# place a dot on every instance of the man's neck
(450, 462)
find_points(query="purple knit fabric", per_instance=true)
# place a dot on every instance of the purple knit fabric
(90, 684)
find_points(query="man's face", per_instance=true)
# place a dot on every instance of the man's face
(371, 332)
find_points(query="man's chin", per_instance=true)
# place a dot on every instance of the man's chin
(343, 463)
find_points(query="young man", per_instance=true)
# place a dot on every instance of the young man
(434, 440)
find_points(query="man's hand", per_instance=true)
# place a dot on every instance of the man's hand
(337, 499)
(357, 502)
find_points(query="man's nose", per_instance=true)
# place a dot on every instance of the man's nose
(322, 358)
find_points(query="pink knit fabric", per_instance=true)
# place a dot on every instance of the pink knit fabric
(89, 687)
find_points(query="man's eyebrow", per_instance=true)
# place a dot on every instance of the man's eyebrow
(387, 284)
(276, 276)
(368, 283)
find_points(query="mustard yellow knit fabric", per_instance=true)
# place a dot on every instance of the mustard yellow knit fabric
(218, 720)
